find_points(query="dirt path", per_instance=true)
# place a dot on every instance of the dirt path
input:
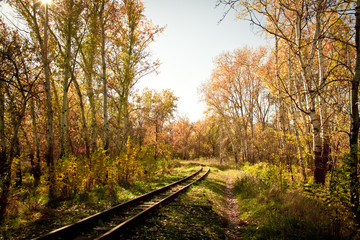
(232, 213)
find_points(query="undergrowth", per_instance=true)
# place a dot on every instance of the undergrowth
(273, 204)
(29, 214)
(276, 208)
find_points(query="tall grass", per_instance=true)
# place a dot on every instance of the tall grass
(276, 209)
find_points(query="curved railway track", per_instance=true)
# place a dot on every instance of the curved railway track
(110, 223)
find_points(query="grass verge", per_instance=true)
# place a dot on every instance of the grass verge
(31, 217)
(274, 212)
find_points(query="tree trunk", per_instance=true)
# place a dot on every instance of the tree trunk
(325, 139)
(354, 128)
(294, 117)
(233, 145)
(199, 146)
(18, 170)
(300, 152)
(35, 163)
(246, 143)
(126, 126)
(90, 92)
(4, 169)
(49, 155)
(120, 142)
(83, 119)
(281, 109)
(310, 97)
(88, 52)
(67, 74)
(221, 143)
(103, 66)
(129, 69)
(234, 149)
(2, 128)
(156, 141)
(298, 142)
(5, 174)
(123, 121)
(320, 166)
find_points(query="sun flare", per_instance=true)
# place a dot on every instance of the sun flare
(46, 1)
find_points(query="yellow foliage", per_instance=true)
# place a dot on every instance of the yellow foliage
(127, 165)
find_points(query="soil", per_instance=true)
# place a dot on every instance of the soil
(233, 226)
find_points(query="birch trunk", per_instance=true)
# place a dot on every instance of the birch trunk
(36, 169)
(325, 139)
(49, 155)
(320, 166)
(132, 22)
(90, 95)
(88, 53)
(92, 117)
(65, 86)
(294, 117)
(83, 118)
(104, 80)
(280, 113)
(300, 150)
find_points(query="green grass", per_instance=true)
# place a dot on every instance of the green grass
(30, 216)
(194, 215)
(271, 206)
(284, 213)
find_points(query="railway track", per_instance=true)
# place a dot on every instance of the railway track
(111, 223)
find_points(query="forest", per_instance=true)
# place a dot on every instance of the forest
(73, 121)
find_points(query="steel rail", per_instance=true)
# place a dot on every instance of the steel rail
(115, 232)
(69, 231)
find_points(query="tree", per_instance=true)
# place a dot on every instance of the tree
(68, 16)
(85, 58)
(182, 130)
(131, 60)
(89, 49)
(355, 124)
(305, 27)
(32, 13)
(17, 84)
(235, 93)
(157, 108)
(103, 21)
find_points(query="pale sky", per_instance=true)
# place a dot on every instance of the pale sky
(190, 43)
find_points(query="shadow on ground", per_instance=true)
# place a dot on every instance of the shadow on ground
(190, 217)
